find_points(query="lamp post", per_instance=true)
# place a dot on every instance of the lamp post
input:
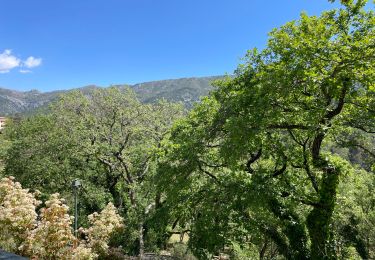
(75, 185)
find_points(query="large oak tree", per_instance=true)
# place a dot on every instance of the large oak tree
(256, 152)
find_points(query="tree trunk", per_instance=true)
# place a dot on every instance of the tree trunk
(293, 229)
(141, 242)
(117, 198)
(320, 218)
(263, 249)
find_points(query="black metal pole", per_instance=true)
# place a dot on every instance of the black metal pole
(75, 185)
(75, 211)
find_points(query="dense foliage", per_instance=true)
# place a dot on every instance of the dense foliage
(276, 163)
(253, 161)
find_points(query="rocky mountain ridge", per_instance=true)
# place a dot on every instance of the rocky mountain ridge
(186, 90)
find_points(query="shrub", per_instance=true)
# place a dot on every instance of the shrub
(50, 237)
(17, 214)
(103, 225)
(53, 236)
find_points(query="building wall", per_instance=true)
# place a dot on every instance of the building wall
(2, 122)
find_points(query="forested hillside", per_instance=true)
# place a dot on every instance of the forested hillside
(186, 90)
(275, 162)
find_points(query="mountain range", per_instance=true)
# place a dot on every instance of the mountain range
(186, 90)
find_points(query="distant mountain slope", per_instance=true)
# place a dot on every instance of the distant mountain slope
(186, 90)
(12, 102)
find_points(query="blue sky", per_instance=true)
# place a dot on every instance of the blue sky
(49, 45)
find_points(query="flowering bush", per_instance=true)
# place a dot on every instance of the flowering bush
(17, 213)
(103, 225)
(82, 252)
(51, 236)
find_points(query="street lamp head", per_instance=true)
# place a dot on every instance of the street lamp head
(76, 184)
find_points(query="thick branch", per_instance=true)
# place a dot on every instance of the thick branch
(252, 159)
(212, 165)
(326, 121)
(281, 170)
(288, 126)
(306, 166)
(208, 173)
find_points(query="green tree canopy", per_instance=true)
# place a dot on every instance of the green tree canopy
(255, 154)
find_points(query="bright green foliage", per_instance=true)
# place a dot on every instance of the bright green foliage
(249, 164)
